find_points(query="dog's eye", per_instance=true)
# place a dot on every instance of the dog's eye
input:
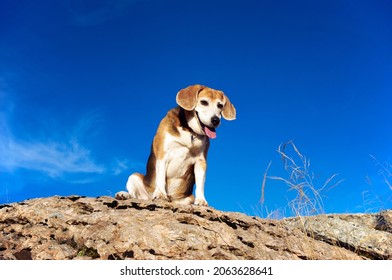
(204, 102)
(220, 105)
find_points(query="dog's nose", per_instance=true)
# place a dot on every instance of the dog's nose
(215, 121)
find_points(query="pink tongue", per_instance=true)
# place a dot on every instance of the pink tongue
(211, 134)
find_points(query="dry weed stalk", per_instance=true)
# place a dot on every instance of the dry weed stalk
(308, 199)
(385, 171)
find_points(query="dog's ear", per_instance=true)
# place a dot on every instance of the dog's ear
(229, 112)
(187, 97)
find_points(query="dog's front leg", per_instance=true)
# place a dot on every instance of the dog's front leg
(200, 177)
(160, 180)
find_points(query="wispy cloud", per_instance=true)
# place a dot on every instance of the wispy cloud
(119, 166)
(54, 158)
(59, 157)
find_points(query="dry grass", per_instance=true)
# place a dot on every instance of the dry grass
(372, 199)
(308, 193)
(307, 199)
(300, 179)
(385, 171)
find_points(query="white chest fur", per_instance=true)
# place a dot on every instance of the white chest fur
(182, 152)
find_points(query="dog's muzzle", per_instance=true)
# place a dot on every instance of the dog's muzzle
(209, 131)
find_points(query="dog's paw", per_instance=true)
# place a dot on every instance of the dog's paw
(201, 202)
(122, 195)
(157, 195)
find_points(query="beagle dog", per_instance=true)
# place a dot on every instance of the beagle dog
(179, 150)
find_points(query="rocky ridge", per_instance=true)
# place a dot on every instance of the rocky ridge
(78, 227)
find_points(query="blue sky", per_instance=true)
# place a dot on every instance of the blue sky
(84, 84)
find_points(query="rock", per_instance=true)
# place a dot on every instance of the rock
(368, 235)
(78, 227)
(384, 221)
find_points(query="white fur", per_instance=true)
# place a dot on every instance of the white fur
(178, 159)
(136, 188)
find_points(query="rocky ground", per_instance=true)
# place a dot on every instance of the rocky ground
(105, 228)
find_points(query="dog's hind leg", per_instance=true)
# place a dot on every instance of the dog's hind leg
(136, 187)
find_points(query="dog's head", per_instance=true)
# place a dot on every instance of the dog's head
(209, 106)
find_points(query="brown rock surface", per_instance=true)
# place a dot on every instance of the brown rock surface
(104, 228)
(365, 234)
